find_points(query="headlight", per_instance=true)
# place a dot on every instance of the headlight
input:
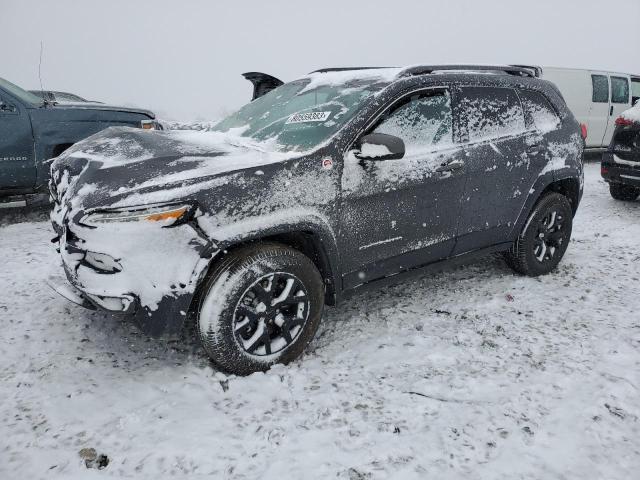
(164, 215)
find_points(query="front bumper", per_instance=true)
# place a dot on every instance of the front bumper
(616, 170)
(148, 272)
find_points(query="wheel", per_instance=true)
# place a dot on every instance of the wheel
(262, 305)
(623, 192)
(544, 238)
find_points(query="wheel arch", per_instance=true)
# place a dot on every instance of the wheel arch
(567, 186)
(313, 241)
(59, 148)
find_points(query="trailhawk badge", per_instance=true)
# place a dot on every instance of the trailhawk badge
(327, 163)
(308, 117)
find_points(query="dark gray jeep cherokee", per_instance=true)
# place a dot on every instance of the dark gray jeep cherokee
(318, 189)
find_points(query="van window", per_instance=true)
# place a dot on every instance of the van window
(619, 90)
(491, 112)
(420, 120)
(538, 112)
(600, 88)
(635, 90)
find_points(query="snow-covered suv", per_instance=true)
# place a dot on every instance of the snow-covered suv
(324, 186)
(620, 166)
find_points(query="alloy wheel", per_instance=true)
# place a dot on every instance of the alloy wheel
(271, 314)
(550, 236)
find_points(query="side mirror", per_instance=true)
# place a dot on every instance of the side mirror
(380, 146)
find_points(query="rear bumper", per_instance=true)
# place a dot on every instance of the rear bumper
(616, 170)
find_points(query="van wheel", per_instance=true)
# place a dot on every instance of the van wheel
(544, 238)
(623, 192)
(262, 305)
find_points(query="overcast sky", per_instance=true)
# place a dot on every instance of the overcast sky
(183, 59)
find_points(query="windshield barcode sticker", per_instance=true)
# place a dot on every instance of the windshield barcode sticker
(308, 117)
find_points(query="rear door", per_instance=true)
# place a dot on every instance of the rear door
(498, 156)
(599, 111)
(17, 164)
(620, 101)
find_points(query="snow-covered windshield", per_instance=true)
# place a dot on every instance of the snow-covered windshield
(302, 114)
(23, 95)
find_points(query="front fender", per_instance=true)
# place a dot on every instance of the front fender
(281, 223)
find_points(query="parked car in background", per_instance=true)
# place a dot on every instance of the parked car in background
(621, 162)
(34, 131)
(60, 97)
(325, 186)
(596, 98)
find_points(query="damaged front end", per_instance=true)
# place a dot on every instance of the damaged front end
(144, 261)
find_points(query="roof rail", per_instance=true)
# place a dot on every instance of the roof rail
(535, 68)
(518, 70)
(344, 69)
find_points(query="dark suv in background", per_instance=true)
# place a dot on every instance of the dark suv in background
(327, 185)
(621, 162)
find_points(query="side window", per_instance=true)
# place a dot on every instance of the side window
(635, 90)
(619, 90)
(421, 120)
(600, 85)
(491, 112)
(7, 107)
(538, 112)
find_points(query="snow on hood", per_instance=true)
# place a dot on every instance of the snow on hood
(632, 114)
(122, 161)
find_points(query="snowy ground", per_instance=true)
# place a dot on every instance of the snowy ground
(473, 373)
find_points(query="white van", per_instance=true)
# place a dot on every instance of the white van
(596, 98)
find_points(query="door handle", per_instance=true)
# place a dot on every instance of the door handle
(534, 149)
(611, 110)
(450, 166)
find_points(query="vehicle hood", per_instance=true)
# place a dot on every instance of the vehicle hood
(101, 107)
(123, 166)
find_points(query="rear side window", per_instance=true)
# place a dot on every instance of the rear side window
(538, 112)
(600, 85)
(619, 90)
(420, 120)
(490, 112)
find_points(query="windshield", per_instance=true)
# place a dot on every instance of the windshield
(19, 93)
(303, 114)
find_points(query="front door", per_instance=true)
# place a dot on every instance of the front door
(17, 166)
(399, 214)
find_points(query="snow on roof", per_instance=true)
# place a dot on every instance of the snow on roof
(633, 113)
(333, 78)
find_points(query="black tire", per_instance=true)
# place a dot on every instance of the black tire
(239, 324)
(626, 193)
(544, 238)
